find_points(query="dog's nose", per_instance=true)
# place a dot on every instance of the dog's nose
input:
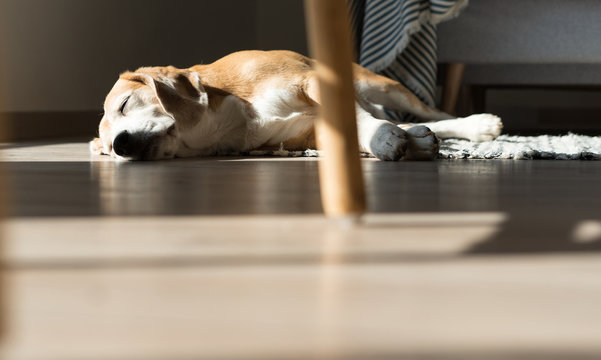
(123, 145)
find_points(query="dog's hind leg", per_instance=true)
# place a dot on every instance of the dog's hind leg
(385, 140)
(379, 137)
(379, 90)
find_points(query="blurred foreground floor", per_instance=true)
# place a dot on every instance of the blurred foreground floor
(229, 258)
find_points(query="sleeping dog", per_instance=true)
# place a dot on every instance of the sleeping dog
(254, 99)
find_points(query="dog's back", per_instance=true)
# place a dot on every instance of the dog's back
(248, 74)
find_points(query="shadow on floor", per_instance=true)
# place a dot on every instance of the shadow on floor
(526, 233)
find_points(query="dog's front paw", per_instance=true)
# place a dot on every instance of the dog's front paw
(482, 127)
(388, 142)
(423, 143)
(96, 146)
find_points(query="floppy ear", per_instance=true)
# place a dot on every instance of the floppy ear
(180, 93)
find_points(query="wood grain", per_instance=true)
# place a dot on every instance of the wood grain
(341, 177)
(231, 258)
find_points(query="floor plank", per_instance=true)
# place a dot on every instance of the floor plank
(491, 307)
(230, 258)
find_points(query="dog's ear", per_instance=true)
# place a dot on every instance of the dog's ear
(180, 92)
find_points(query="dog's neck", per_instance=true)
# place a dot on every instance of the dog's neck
(222, 128)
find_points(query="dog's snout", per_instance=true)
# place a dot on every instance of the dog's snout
(123, 144)
(136, 146)
(171, 130)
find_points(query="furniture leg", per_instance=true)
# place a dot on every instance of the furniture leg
(341, 178)
(452, 85)
(3, 297)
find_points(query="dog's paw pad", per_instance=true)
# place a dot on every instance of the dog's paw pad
(483, 127)
(389, 142)
(423, 144)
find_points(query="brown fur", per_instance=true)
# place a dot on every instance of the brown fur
(276, 94)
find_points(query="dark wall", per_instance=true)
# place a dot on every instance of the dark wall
(64, 55)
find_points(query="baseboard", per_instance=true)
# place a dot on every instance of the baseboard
(46, 125)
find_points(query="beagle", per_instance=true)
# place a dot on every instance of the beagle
(262, 99)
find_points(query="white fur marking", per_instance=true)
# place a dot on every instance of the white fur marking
(479, 127)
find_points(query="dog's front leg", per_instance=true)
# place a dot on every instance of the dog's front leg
(381, 138)
(388, 141)
(478, 127)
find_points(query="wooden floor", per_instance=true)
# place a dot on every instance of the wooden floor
(230, 258)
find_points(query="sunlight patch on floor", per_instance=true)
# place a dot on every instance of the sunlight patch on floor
(81, 239)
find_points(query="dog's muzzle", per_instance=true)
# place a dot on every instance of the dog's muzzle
(134, 146)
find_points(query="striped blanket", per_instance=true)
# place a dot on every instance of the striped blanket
(397, 38)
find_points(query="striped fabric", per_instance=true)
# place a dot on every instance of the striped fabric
(397, 38)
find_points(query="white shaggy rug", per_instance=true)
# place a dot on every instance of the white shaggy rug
(566, 147)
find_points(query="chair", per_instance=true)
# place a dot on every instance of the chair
(341, 178)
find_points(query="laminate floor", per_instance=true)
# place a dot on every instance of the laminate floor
(230, 258)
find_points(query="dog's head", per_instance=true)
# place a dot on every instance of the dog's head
(145, 112)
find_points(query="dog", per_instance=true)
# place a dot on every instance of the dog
(263, 100)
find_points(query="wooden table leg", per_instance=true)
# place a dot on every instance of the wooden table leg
(452, 85)
(3, 297)
(341, 178)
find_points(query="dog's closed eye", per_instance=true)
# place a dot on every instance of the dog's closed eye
(122, 107)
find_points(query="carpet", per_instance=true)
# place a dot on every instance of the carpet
(565, 147)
